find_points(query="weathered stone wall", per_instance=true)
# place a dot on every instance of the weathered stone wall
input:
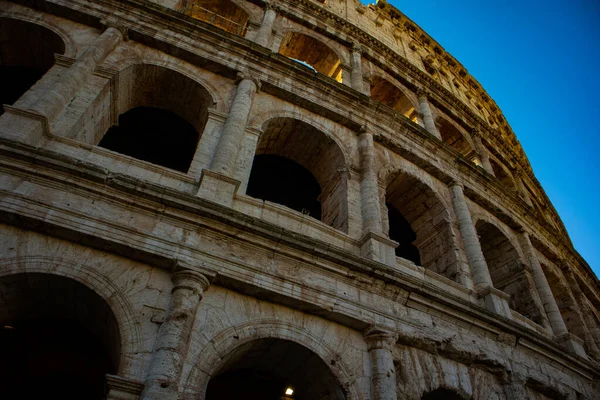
(193, 269)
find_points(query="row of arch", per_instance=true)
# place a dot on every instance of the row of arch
(315, 53)
(296, 163)
(62, 334)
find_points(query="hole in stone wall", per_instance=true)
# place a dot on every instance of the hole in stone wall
(401, 232)
(502, 175)
(223, 14)
(509, 273)
(453, 137)
(154, 135)
(26, 54)
(388, 94)
(264, 368)
(419, 221)
(283, 181)
(442, 394)
(300, 162)
(63, 339)
(312, 52)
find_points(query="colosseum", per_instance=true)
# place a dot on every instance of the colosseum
(299, 199)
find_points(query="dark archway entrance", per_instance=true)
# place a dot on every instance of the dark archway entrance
(26, 54)
(263, 369)
(442, 394)
(402, 232)
(155, 135)
(288, 184)
(58, 339)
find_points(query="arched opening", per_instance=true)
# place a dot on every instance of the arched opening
(509, 273)
(300, 167)
(26, 54)
(162, 115)
(223, 14)
(289, 184)
(418, 220)
(266, 368)
(442, 394)
(388, 94)
(154, 135)
(58, 338)
(502, 175)
(453, 137)
(309, 50)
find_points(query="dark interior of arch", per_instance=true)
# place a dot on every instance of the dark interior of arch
(223, 14)
(283, 181)
(388, 94)
(453, 137)
(26, 54)
(313, 52)
(401, 232)
(507, 270)
(58, 339)
(442, 394)
(501, 175)
(264, 368)
(155, 135)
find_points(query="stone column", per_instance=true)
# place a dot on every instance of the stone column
(495, 300)
(369, 185)
(521, 185)
(592, 333)
(541, 283)
(483, 154)
(425, 110)
(235, 126)
(173, 336)
(380, 344)
(357, 72)
(69, 82)
(266, 28)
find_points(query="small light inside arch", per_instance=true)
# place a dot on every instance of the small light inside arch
(289, 391)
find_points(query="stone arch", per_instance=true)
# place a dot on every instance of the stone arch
(162, 115)
(260, 119)
(502, 174)
(27, 52)
(418, 216)
(69, 43)
(393, 96)
(317, 183)
(454, 136)
(508, 270)
(320, 53)
(210, 359)
(129, 328)
(229, 15)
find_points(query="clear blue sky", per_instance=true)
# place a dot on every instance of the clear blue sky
(540, 62)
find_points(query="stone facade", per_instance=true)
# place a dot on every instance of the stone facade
(159, 239)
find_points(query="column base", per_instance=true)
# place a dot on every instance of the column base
(120, 388)
(573, 344)
(495, 300)
(377, 247)
(217, 187)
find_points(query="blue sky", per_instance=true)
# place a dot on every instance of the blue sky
(540, 62)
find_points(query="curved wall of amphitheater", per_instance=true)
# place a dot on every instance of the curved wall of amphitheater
(229, 199)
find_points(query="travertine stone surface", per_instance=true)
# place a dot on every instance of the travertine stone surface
(185, 279)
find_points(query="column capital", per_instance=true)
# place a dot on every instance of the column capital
(357, 48)
(423, 92)
(242, 76)
(185, 278)
(379, 338)
(120, 388)
(457, 183)
(107, 24)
